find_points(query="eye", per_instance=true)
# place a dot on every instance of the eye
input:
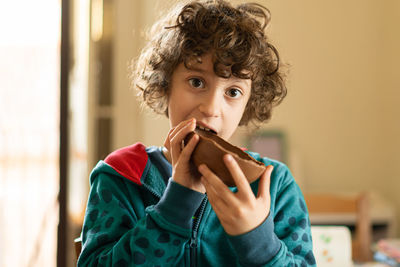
(196, 83)
(234, 93)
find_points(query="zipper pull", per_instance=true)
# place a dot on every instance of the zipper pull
(193, 240)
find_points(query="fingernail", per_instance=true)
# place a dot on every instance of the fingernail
(271, 168)
(201, 167)
(229, 157)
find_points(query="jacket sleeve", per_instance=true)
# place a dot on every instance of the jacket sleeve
(119, 231)
(284, 239)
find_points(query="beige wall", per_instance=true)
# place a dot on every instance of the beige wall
(390, 182)
(341, 113)
(333, 111)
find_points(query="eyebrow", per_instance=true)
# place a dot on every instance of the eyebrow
(203, 71)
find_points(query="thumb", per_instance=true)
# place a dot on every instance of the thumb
(265, 181)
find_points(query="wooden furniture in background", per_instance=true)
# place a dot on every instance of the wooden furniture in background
(346, 204)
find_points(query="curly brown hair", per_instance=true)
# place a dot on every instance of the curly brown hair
(236, 39)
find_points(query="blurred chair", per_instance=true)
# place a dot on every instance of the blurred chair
(332, 205)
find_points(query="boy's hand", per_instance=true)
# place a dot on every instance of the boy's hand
(238, 212)
(180, 155)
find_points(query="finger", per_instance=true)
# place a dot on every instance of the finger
(188, 149)
(265, 181)
(214, 198)
(176, 141)
(167, 141)
(216, 185)
(238, 176)
(173, 131)
(181, 125)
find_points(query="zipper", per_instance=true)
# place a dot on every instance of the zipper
(193, 249)
(193, 239)
(152, 191)
(196, 224)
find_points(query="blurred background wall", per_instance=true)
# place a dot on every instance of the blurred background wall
(339, 121)
(340, 117)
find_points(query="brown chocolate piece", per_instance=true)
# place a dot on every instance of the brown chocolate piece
(211, 148)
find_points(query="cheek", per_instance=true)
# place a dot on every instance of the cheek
(234, 116)
(241, 108)
(178, 109)
(240, 113)
(174, 112)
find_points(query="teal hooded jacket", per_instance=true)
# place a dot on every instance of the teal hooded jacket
(137, 215)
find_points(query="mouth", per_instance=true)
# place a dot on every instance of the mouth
(205, 129)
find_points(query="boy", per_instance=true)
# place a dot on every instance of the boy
(210, 67)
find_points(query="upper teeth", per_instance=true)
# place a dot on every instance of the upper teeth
(203, 128)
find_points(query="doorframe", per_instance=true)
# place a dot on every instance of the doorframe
(64, 141)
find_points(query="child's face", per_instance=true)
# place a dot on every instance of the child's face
(215, 102)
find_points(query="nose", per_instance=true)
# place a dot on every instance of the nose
(210, 105)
